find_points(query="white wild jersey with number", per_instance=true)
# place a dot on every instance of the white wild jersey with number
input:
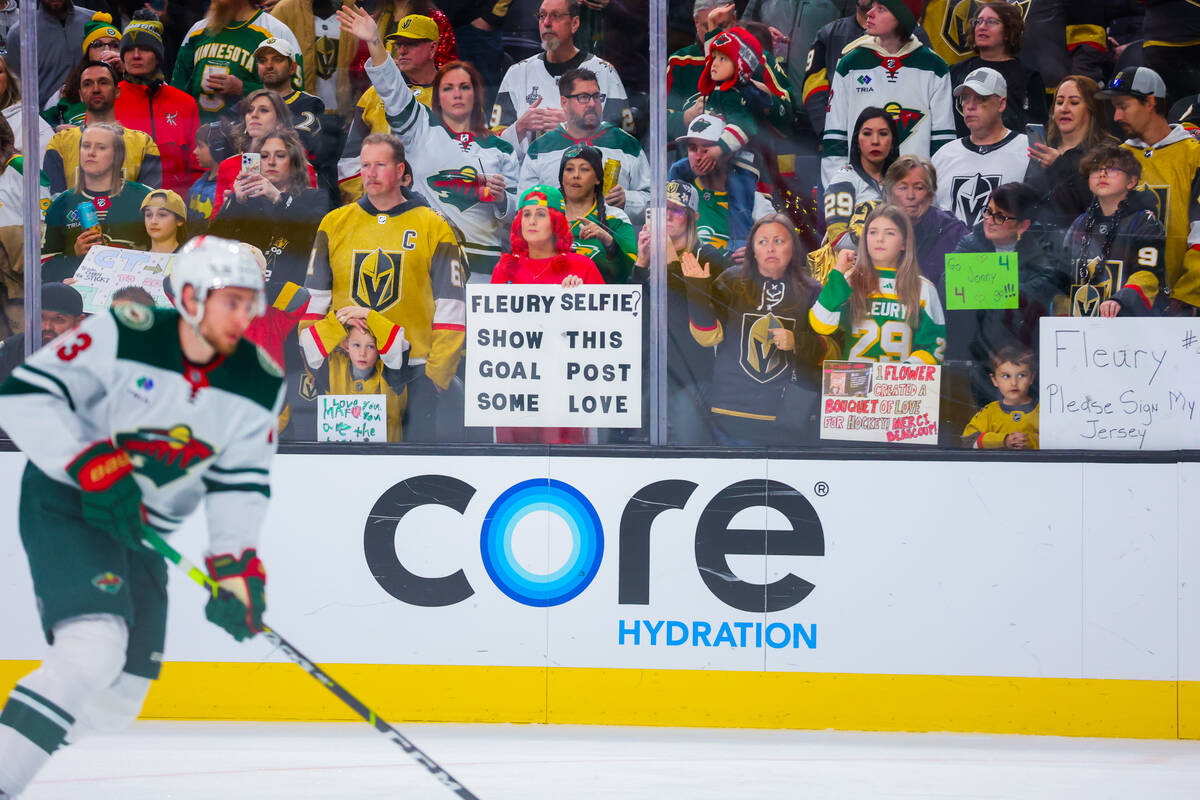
(192, 433)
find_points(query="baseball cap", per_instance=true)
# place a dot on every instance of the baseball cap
(542, 195)
(682, 194)
(281, 46)
(704, 128)
(1134, 82)
(165, 198)
(414, 26)
(62, 298)
(984, 82)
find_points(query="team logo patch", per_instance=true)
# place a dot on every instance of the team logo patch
(1096, 284)
(460, 188)
(108, 582)
(906, 118)
(326, 50)
(135, 316)
(376, 278)
(1162, 199)
(533, 96)
(761, 359)
(308, 387)
(969, 195)
(162, 455)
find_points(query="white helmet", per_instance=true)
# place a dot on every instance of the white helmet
(207, 263)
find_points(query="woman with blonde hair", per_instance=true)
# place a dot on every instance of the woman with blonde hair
(1076, 126)
(877, 297)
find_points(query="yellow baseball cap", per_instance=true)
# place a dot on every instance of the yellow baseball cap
(415, 26)
(165, 198)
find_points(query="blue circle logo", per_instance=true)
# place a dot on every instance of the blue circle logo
(587, 542)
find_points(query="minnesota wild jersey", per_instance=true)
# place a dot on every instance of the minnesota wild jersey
(545, 154)
(192, 432)
(229, 51)
(449, 169)
(12, 192)
(615, 263)
(885, 334)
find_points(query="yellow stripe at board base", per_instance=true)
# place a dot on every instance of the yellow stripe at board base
(675, 698)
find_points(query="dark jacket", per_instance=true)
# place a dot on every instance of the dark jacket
(936, 234)
(284, 231)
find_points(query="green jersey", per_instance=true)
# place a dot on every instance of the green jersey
(229, 51)
(615, 263)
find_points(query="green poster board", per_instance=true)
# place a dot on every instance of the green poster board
(981, 280)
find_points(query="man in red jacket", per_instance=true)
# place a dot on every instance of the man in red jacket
(149, 104)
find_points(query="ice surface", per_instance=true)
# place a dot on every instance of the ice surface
(546, 762)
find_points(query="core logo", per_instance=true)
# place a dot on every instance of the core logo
(716, 539)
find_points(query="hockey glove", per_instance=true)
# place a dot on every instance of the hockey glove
(238, 605)
(111, 498)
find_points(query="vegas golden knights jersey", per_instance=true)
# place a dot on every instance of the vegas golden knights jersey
(404, 263)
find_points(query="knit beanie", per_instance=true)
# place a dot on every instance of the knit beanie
(145, 33)
(100, 26)
(740, 47)
(906, 13)
(588, 154)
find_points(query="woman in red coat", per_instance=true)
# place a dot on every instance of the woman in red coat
(542, 253)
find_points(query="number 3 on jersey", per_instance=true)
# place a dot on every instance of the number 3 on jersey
(74, 347)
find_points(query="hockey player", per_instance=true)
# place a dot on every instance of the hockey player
(400, 258)
(890, 68)
(466, 172)
(216, 63)
(528, 102)
(131, 420)
(1170, 160)
(970, 168)
(583, 106)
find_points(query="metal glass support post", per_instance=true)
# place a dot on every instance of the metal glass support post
(656, 218)
(31, 148)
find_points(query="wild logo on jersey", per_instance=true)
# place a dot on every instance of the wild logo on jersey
(761, 359)
(906, 118)
(461, 188)
(164, 455)
(376, 279)
(969, 195)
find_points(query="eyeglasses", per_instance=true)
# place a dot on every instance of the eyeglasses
(555, 17)
(996, 216)
(986, 22)
(585, 97)
(1106, 170)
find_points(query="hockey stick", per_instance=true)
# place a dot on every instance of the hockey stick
(406, 744)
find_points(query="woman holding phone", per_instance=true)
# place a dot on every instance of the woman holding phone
(467, 173)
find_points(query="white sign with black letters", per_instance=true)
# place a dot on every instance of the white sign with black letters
(543, 356)
(1119, 384)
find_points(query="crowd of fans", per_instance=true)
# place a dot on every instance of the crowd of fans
(824, 159)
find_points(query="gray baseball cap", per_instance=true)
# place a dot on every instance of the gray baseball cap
(1134, 82)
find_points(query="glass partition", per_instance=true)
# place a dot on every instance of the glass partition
(817, 224)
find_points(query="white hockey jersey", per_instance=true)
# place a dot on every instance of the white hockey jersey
(12, 192)
(913, 85)
(192, 432)
(967, 173)
(527, 80)
(445, 169)
(848, 188)
(544, 157)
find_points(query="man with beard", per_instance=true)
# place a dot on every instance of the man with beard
(1170, 160)
(216, 63)
(98, 90)
(59, 35)
(529, 103)
(146, 103)
(129, 423)
(62, 310)
(583, 105)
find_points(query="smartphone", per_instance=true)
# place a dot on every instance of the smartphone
(251, 164)
(1035, 133)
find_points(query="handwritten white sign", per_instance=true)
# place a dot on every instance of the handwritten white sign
(352, 418)
(105, 269)
(544, 356)
(1119, 384)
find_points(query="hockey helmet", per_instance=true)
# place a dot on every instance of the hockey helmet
(208, 263)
